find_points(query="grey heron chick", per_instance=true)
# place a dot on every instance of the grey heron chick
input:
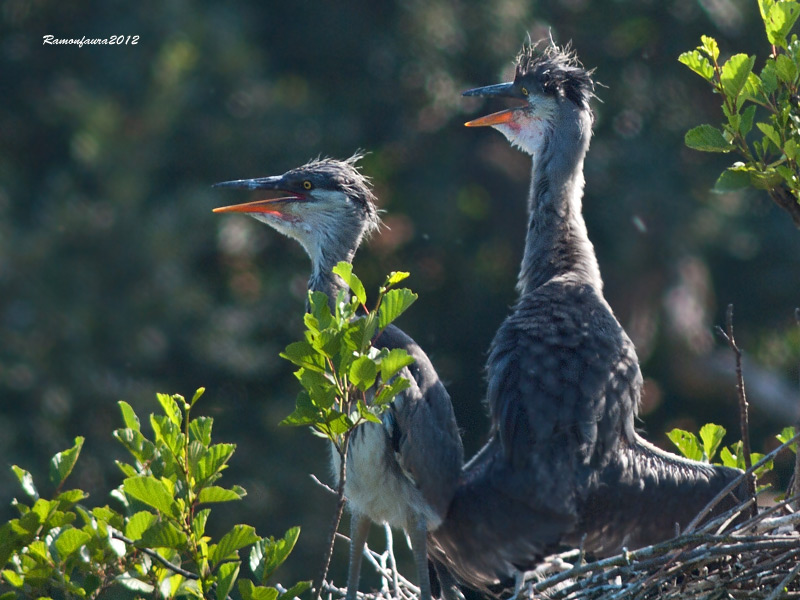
(404, 471)
(563, 464)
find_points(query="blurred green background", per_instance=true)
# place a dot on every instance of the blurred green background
(117, 281)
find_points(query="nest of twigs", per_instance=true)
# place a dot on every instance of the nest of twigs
(734, 555)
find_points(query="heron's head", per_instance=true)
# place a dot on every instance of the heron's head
(327, 205)
(551, 84)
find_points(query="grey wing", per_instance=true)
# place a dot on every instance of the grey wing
(426, 439)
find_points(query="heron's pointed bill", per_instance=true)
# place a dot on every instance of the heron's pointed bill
(498, 118)
(262, 183)
(505, 90)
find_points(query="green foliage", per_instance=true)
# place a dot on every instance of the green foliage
(705, 448)
(158, 542)
(345, 380)
(768, 100)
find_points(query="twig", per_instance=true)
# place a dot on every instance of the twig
(340, 501)
(778, 591)
(795, 488)
(323, 485)
(744, 421)
(156, 556)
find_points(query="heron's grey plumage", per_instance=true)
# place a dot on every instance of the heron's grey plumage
(564, 464)
(404, 471)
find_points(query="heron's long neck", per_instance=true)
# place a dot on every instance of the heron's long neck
(557, 242)
(322, 278)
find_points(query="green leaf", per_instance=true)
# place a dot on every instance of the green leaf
(226, 577)
(253, 592)
(214, 493)
(238, 537)
(197, 395)
(320, 309)
(13, 578)
(61, 464)
(138, 524)
(305, 413)
(687, 443)
(710, 46)
(345, 271)
(769, 77)
(128, 415)
(70, 541)
(327, 342)
(26, 481)
(711, 435)
(134, 442)
(779, 20)
(200, 430)
(390, 391)
(152, 492)
(707, 139)
(304, 355)
(338, 423)
(131, 581)
(199, 522)
(163, 534)
(746, 123)
(790, 149)
(395, 277)
(754, 90)
(294, 591)
(268, 554)
(734, 74)
(785, 435)
(732, 179)
(214, 461)
(394, 304)
(170, 408)
(363, 372)
(697, 63)
(770, 133)
(785, 69)
(392, 361)
(358, 335)
(366, 413)
(69, 498)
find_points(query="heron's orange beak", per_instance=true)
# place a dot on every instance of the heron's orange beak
(498, 118)
(269, 206)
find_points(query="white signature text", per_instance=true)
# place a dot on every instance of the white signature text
(114, 40)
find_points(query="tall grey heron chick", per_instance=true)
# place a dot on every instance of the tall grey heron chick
(404, 471)
(563, 464)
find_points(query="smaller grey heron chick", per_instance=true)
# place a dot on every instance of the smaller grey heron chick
(404, 471)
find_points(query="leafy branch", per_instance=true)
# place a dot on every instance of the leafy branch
(158, 543)
(769, 101)
(347, 381)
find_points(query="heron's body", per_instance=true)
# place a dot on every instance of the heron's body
(404, 471)
(564, 464)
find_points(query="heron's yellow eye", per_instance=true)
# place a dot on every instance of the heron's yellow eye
(524, 91)
(307, 184)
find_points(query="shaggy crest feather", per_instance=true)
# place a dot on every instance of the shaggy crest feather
(558, 70)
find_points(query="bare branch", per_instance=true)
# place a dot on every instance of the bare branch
(744, 419)
(794, 490)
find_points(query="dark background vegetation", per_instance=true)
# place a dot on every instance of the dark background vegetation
(117, 281)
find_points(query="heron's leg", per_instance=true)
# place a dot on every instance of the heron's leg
(447, 582)
(359, 528)
(418, 532)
